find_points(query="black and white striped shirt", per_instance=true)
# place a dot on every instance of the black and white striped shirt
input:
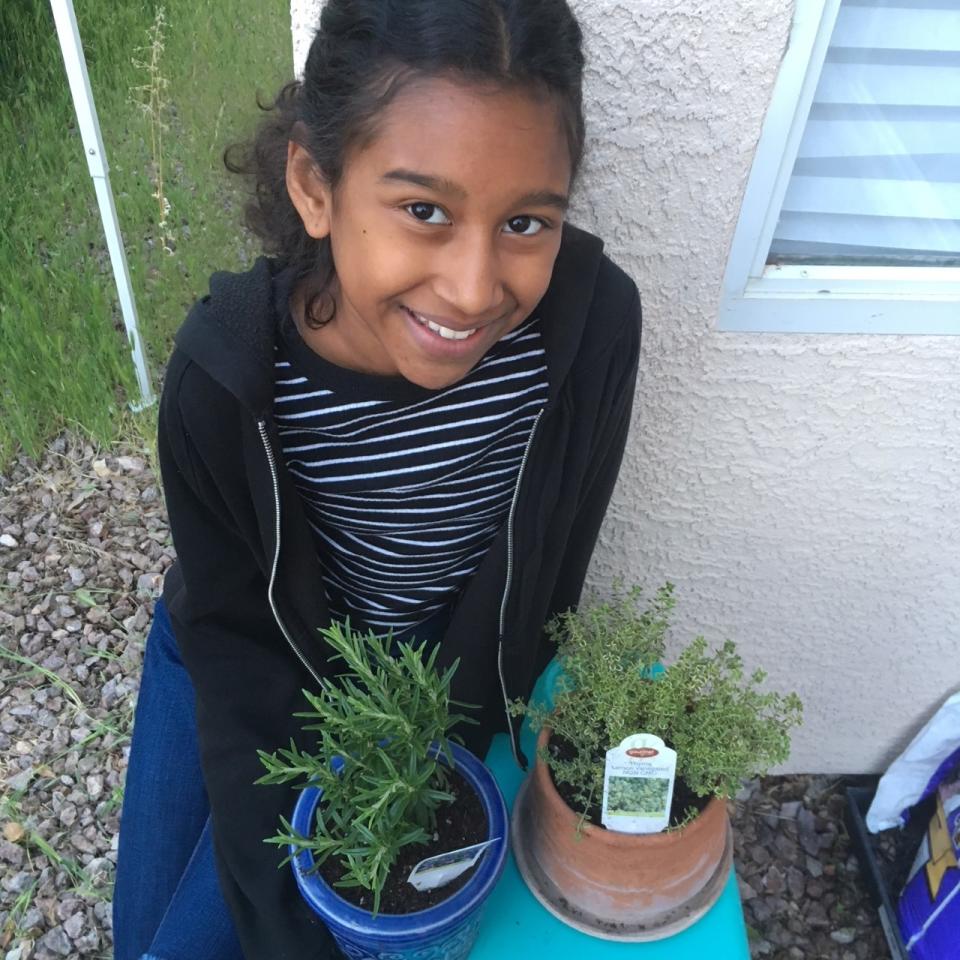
(405, 487)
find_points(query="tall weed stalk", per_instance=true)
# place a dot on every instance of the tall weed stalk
(150, 98)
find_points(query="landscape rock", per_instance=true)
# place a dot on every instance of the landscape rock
(74, 925)
(55, 941)
(845, 935)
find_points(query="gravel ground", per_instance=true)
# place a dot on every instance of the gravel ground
(83, 545)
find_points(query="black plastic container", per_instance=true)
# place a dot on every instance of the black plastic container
(884, 879)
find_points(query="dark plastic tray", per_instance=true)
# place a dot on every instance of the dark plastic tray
(884, 880)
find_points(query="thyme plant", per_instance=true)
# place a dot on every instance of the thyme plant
(382, 728)
(722, 725)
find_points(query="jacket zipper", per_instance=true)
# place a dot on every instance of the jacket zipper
(262, 428)
(506, 591)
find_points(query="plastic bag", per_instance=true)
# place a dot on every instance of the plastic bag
(929, 907)
(915, 774)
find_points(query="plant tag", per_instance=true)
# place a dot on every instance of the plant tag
(438, 871)
(638, 785)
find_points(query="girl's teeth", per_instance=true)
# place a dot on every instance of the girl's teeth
(445, 332)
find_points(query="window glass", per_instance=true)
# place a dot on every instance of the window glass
(877, 177)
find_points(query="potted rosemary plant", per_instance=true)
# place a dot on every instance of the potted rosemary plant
(587, 841)
(384, 791)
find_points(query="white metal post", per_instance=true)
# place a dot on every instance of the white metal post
(72, 50)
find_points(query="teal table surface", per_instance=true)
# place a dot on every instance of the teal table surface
(514, 922)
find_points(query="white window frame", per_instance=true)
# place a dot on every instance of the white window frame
(810, 298)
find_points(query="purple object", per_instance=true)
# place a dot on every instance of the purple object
(929, 909)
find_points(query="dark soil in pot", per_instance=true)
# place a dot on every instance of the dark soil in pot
(461, 824)
(684, 799)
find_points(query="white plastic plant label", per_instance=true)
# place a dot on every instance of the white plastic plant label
(438, 871)
(638, 785)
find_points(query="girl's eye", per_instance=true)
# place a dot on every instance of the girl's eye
(525, 226)
(427, 213)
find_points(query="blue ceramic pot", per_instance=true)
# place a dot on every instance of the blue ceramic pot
(446, 931)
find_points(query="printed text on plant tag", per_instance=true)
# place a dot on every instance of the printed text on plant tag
(440, 870)
(638, 785)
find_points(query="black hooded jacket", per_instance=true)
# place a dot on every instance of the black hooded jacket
(245, 596)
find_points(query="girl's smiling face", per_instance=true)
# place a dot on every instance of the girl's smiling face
(444, 228)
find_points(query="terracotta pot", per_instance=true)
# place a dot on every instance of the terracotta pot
(618, 885)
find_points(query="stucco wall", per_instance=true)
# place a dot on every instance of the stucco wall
(801, 491)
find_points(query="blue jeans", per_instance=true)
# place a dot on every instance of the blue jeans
(167, 903)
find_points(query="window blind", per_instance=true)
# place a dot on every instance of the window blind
(877, 176)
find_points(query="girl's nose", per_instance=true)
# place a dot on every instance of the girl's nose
(471, 278)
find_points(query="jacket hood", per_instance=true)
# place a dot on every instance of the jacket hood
(230, 332)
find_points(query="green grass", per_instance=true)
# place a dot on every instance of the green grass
(65, 688)
(11, 926)
(32, 843)
(63, 353)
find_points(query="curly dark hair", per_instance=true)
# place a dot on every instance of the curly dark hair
(363, 54)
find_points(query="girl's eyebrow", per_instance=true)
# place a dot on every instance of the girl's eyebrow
(536, 198)
(544, 198)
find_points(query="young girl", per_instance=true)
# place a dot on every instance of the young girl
(412, 415)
